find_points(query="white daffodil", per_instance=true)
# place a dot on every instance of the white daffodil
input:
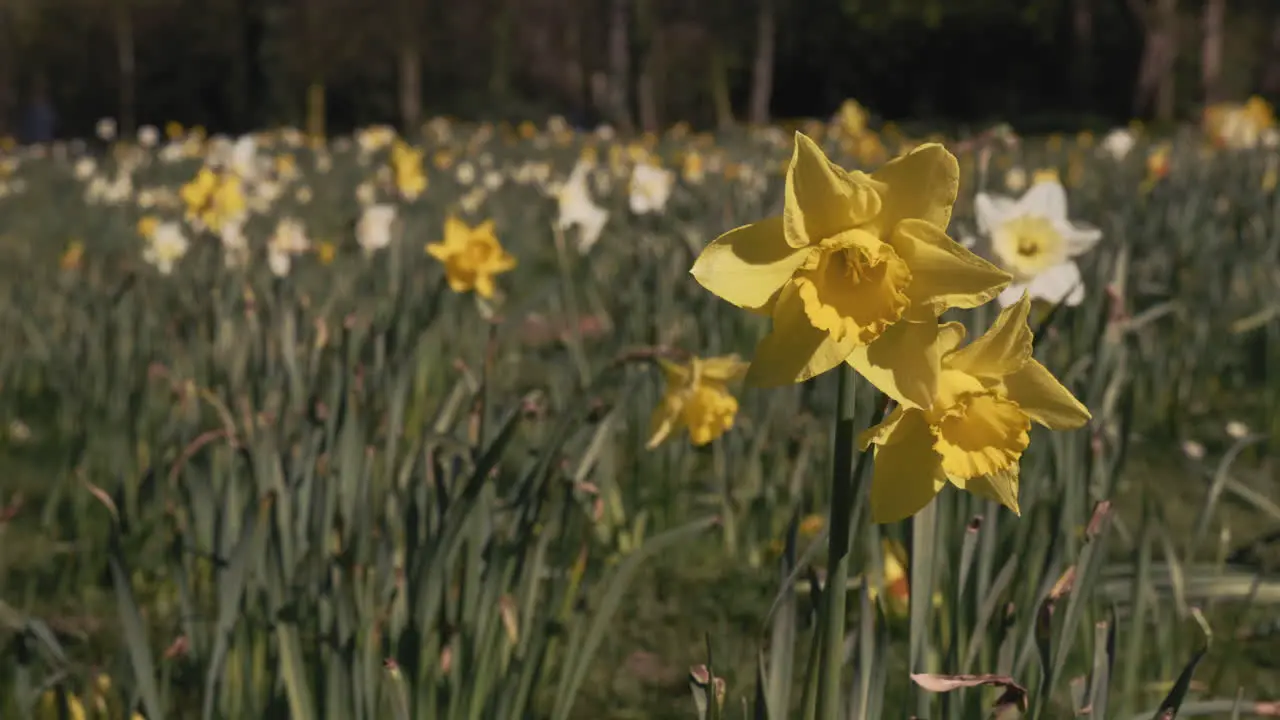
(165, 247)
(1118, 143)
(1034, 241)
(106, 129)
(373, 230)
(148, 136)
(289, 240)
(650, 188)
(235, 246)
(577, 208)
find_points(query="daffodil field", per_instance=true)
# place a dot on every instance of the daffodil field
(484, 421)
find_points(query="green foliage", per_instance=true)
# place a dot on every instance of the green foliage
(349, 493)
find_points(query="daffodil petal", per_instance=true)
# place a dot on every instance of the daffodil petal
(1061, 283)
(746, 266)
(903, 362)
(907, 473)
(1046, 199)
(1080, 238)
(878, 434)
(922, 184)
(819, 196)
(794, 350)
(1001, 350)
(1044, 399)
(664, 420)
(723, 369)
(1001, 487)
(992, 210)
(950, 335)
(674, 373)
(943, 273)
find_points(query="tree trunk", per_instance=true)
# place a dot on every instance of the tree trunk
(1211, 50)
(410, 88)
(127, 69)
(500, 70)
(1155, 87)
(1271, 69)
(1166, 89)
(719, 80)
(762, 68)
(8, 78)
(575, 76)
(1082, 66)
(619, 64)
(647, 92)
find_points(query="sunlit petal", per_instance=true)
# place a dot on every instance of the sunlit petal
(922, 184)
(907, 474)
(943, 273)
(795, 350)
(903, 363)
(1001, 350)
(747, 265)
(822, 199)
(1045, 399)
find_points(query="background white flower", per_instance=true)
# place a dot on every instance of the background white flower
(1118, 143)
(373, 231)
(577, 208)
(650, 188)
(1032, 238)
(166, 246)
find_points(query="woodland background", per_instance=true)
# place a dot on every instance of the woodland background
(235, 65)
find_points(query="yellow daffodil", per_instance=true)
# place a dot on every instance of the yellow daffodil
(406, 162)
(213, 199)
(895, 586)
(697, 398)
(857, 268)
(49, 706)
(975, 430)
(852, 118)
(73, 256)
(147, 225)
(471, 256)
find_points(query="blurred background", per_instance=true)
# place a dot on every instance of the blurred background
(236, 65)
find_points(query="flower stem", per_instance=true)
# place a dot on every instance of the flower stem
(833, 606)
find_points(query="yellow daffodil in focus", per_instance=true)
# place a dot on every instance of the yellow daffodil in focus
(471, 256)
(697, 398)
(974, 432)
(858, 267)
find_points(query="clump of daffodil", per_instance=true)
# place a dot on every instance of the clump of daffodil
(697, 397)
(1033, 239)
(472, 256)
(1239, 126)
(213, 198)
(857, 268)
(974, 431)
(406, 164)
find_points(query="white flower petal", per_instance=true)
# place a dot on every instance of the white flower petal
(1061, 283)
(1046, 199)
(1011, 295)
(992, 210)
(1080, 238)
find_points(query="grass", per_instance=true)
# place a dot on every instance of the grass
(351, 493)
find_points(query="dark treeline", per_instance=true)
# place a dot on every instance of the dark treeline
(233, 65)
